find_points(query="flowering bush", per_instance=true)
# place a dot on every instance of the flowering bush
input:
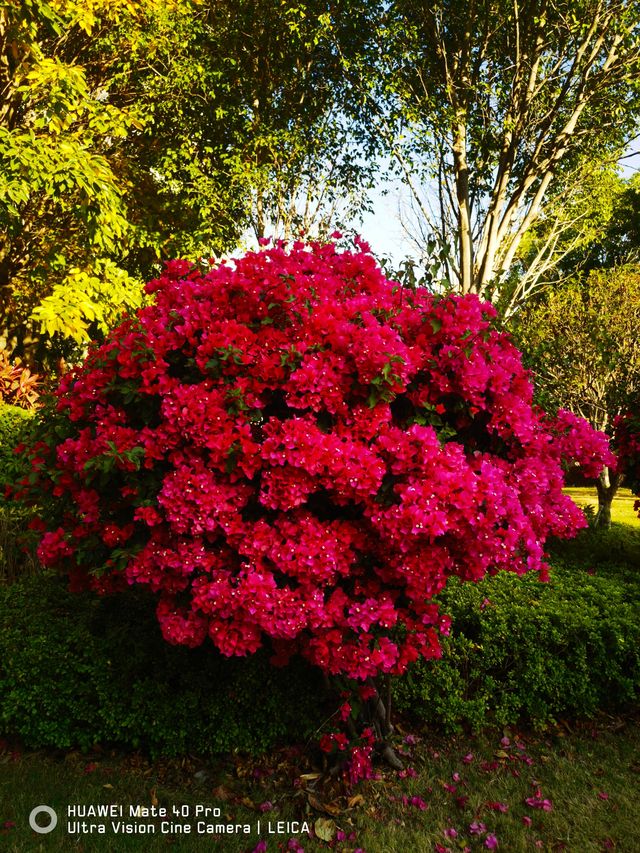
(290, 448)
(627, 440)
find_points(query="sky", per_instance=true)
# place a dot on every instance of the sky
(382, 228)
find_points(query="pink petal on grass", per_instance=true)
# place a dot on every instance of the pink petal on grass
(539, 803)
(526, 820)
(409, 772)
(602, 795)
(451, 832)
(468, 758)
(491, 842)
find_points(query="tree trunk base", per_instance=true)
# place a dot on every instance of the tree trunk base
(606, 486)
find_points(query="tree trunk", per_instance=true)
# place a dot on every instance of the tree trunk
(606, 485)
(463, 212)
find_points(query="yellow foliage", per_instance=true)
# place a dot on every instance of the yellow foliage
(85, 13)
(97, 296)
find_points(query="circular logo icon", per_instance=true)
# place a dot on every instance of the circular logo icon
(53, 819)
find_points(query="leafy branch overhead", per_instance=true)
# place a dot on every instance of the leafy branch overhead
(138, 131)
(61, 200)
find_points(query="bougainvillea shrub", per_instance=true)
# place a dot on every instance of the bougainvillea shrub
(291, 449)
(627, 441)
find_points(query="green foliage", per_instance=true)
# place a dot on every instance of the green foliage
(621, 241)
(88, 301)
(581, 340)
(593, 224)
(76, 670)
(14, 428)
(62, 206)
(611, 548)
(243, 111)
(136, 131)
(520, 649)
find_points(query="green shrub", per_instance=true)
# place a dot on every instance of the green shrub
(15, 425)
(76, 669)
(14, 428)
(594, 548)
(522, 650)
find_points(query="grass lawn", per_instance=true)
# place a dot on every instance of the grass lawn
(581, 785)
(618, 548)
(622, 511)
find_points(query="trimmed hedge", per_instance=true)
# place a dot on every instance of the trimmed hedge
(76, 670)
(521, 650)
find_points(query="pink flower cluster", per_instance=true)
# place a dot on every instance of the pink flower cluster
(292, 449)
(627, 441)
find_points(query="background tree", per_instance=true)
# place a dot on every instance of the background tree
(581, 339)
(303, 159)
(596, 225)
(241, 105)
(60, 201)
(488, 105)
(140, 131)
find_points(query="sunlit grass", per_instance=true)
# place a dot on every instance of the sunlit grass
(617, 548)
(622, 511)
